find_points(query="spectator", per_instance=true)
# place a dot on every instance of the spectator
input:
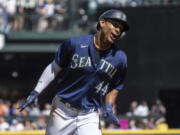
(46, 12)
(132, 108)
(20, 17)
(34, 111)
(16, 125)
(158, 109)
(47, 110)
(11, 8)
(4, 27)
(3, 108)
(28, 125)
(4, 125)
(112, 126)
(35, 18)
(132, 124)
(41, 122)
(151, 123)
(59, 16)
(15, 112)
(142, 109)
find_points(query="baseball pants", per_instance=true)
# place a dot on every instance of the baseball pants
(65, 120)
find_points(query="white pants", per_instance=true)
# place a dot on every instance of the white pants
(65, 120)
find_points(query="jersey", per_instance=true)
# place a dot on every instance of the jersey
(89, 74)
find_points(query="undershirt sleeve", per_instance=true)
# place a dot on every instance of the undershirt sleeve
(48, 75)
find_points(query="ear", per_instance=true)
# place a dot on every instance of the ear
(101, 23)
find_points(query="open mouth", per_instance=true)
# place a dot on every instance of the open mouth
(114, 36)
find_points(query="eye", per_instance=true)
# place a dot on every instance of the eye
(115, 24)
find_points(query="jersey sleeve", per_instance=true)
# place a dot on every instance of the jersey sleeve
(63, 54)
(118, 80)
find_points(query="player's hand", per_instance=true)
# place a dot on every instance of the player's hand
(32, 98)
(108, 114)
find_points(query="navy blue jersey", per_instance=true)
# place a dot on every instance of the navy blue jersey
(89, 74)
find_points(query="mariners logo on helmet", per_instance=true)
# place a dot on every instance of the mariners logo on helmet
(115, 15)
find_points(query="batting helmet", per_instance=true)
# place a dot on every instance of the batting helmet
(115, 15)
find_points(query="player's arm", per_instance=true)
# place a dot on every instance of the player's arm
(108, 113)
(112, 96)
(48, 75)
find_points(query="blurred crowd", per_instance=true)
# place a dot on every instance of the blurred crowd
(29, 119)
(139, 116)
(39, 15)
(142, 116)
(57, 15)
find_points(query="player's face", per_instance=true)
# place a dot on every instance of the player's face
(111, 30)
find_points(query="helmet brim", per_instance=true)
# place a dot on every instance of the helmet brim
(125, 24)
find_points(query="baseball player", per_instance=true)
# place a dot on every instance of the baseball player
(93, 73)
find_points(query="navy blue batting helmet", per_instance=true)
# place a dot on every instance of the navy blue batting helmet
(115, 15)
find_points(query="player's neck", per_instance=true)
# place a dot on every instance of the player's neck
(99, 43)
